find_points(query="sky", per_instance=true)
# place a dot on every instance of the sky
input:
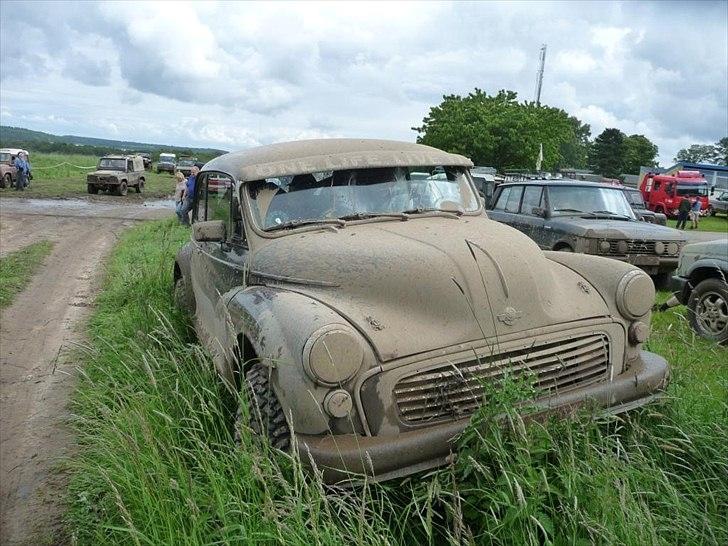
(236, 75)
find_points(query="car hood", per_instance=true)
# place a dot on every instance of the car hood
(708, 249)
(428, 283)
(615, 229)
(106, 173)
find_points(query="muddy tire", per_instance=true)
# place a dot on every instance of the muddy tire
(662, 281)
(92, 189)
(6, 181)
(139, 187)
(708, 310)
(183, 297)
(122, 189)
(266, 417)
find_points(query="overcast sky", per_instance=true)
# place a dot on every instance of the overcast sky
(237, 75)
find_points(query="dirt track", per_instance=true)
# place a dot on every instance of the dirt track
(36, 335)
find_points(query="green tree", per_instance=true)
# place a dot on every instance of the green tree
(697, 153)
(607, 153)
(720, 157)
(575, 152)
(639, 151)
(499, 131)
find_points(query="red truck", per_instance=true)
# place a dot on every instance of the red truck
(663, 192)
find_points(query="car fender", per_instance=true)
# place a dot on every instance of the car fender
(277, 323)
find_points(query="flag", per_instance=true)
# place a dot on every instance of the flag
(540, 157)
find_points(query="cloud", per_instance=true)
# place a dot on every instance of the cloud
(241, 74)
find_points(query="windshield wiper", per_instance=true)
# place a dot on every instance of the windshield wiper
(365, 215)
(568, 210)
(422, 210)
(298, 223)
(610, 213)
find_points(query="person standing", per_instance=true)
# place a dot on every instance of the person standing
(23, 169)
(189, 195)
(179, 195)
(682, 213)
(695, 213)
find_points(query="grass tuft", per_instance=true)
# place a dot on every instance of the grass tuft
(17, 269)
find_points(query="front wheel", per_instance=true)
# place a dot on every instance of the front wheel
(92, 189)
(122, 189)
(708, 307)
(139, 187)
(266, 417)
(6, 181)
(711, 211)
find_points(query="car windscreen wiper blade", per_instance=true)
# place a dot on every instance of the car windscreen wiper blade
(610, 213)
(298, 223)
(568, 210)
(365, 215)
(423, 210)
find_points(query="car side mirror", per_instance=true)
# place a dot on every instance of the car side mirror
(538, 211)
(212, 231)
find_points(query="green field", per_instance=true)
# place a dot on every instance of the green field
(69, 179)
(158, 464)
(17, 268)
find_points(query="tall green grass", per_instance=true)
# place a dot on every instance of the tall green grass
(158, 463)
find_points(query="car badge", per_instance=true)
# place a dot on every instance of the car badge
(509, 316)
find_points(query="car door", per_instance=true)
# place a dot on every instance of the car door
(529, 223)
(505, 209)
(218, 267)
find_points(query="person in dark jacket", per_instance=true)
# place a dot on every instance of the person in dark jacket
(23, 172)
(682, 213)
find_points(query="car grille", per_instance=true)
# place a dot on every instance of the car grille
(456, 390)
(634, 247)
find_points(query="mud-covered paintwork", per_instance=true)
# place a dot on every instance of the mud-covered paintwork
(413, 294)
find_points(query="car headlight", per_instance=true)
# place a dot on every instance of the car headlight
(635, 294)
(623, 247)
(604, 247)
(673, 248)
(659, 247)
(332, 355)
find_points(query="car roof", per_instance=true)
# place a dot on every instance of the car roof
(310, 156)
(545, 182)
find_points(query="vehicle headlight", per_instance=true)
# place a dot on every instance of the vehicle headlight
(623, 247)
(604, 247)
(659, 247)
(673, 248)
(635, 294)
(332, 355)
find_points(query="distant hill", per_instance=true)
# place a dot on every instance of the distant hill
(38, 141)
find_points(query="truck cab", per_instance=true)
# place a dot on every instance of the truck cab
(663, 193)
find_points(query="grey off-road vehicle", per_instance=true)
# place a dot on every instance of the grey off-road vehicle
(363, 308)
(117, 174)
(701, 283)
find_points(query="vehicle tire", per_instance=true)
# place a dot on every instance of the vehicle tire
(92, 189)
(708, 310)
(266, 417)
(661, 281)
(711, 211)
(183, 298)
(122, 189)
(7, 181)
(139, 187)
(564, 248)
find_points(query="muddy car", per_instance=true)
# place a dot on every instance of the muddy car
(639, 207)
(185, 165)
(364, 308)
(589, 218)
(8, 172)
(116, 174)
(700, 282)
(167, 163)
(147, 159)
(718, 203)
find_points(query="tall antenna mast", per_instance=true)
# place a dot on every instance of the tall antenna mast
(539, 74)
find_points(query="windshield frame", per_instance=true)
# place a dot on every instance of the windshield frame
(564, 214)
(120, 159)
(252, 222)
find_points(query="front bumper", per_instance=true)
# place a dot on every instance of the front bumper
(348, 456)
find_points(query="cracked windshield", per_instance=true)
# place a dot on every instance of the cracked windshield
(337, 196)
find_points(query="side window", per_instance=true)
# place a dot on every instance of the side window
(656, 186)
(531, 199)
(201, 197)
(219, 199)
(130, 165)
(514, 199)
(500, 204)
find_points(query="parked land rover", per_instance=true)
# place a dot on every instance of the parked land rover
(589, 218)
(639, 207)
(167, 163)
(117, 174)
(718, 203)
(364, 308)
(185, 164)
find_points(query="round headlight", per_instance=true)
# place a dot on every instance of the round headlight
(332, 355)
(659, 247)
(673, 248)
(623, 247)
(635, 294)
(604, 247)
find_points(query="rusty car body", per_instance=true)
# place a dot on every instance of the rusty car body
(116, 174)
(363, 308)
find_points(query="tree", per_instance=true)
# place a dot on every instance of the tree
(639, 151)
(721, 152)
(697, 153)
(575, 152)
(499, 131)
(607, 153)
